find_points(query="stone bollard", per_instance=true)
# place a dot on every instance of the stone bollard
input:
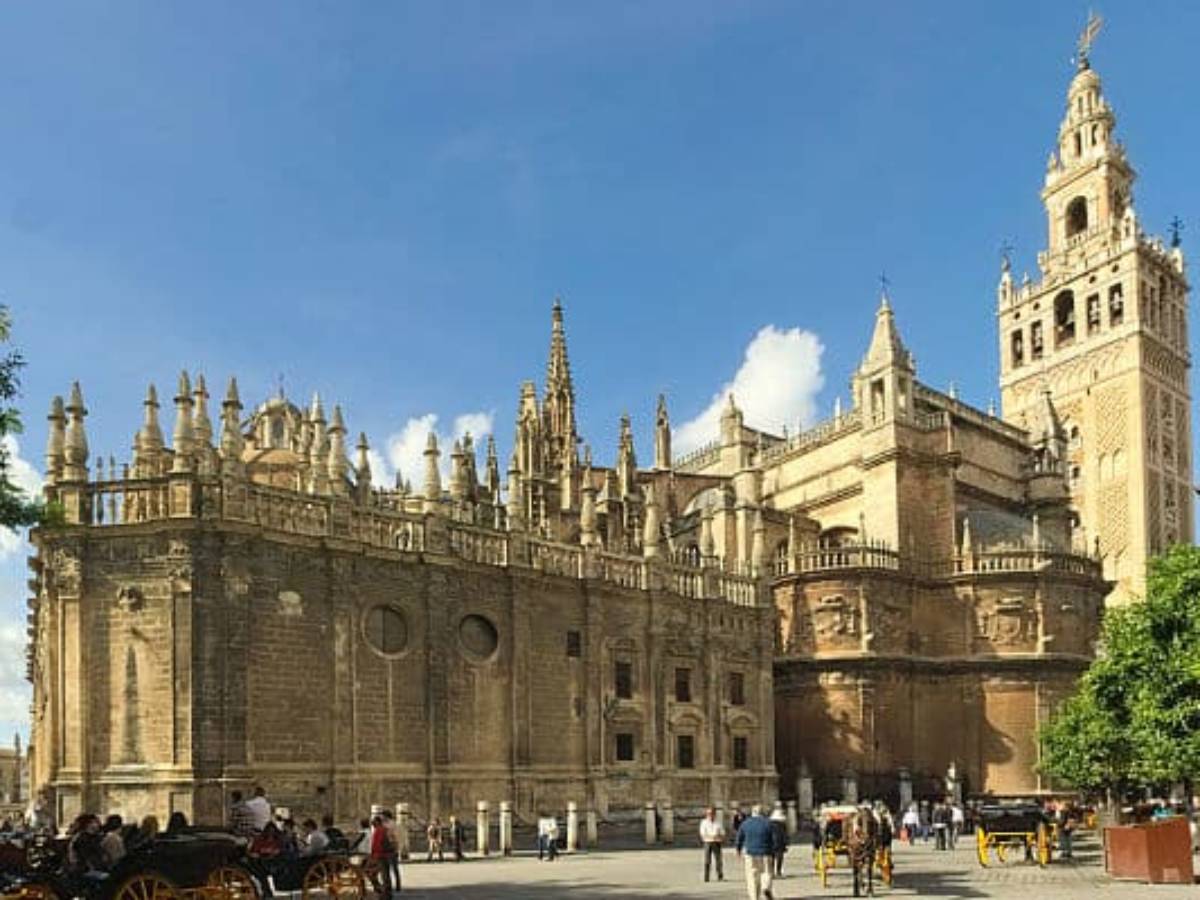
(402, 823)
(481, 827)
(593, 829)
(506, 840)
(668, 822)
(651, 830)
(572, 827)
(793, 822)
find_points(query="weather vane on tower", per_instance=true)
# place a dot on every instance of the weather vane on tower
(1087, 38)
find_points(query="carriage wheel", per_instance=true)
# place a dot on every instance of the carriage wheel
(335, 878)
(981, 846)
(1001, 851)
(145, 886)
(234, 883)
(1043, 846)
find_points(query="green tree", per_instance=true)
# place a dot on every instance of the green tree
(1135, 717)
(16, 509)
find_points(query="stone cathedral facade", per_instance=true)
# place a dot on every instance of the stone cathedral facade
(901, 592)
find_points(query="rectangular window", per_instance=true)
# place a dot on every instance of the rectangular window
(1116, 305)
(741, 753)
(737, 688)
(624, 747)
(685, 751)
(683, 685)
(1093, 313)
(1035, 340)
(1018, 348)
(623, 680)
(574, 643)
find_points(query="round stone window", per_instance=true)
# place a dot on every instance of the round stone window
(478, 636)
(386, 630)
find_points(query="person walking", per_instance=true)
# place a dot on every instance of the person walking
(383, 851)
(756, 845)
(712, 836)
(911, 823)
(958, 823)
(458, 837)
(548, 838)
(780, 840)
(941, 824)
(433, 834)
(260, 808)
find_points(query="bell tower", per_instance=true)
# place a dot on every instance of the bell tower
(1103, 336)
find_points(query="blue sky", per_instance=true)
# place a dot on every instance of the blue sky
(380, 200)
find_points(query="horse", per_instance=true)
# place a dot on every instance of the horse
(861, 834)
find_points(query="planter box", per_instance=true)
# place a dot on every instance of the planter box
(1156, 852)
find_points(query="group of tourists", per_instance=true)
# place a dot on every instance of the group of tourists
(759, 841)
(944, 821)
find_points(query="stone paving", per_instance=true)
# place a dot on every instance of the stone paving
(676, 873)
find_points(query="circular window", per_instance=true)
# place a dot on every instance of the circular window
(478, 636)
(386, 630)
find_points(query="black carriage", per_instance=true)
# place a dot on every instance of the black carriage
(1012, 826)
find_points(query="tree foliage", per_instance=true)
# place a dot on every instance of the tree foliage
(1135, 717)
(16, 509)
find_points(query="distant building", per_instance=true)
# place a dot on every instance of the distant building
(889, 602)
(13, 776)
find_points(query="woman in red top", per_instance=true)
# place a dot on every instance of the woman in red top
(383, 851)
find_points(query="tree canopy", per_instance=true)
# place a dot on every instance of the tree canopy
(16, 509)
(1135, 717)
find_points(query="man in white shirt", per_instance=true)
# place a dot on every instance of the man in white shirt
(712, 836)
(260, 808)
(958, 821)
(548, 837)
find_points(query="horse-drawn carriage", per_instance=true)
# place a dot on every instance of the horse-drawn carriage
(192, 865)
(857, 834)
(1002, 827)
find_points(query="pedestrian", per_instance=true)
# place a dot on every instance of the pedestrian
(712, 836)
(958, 823)
(111, 842)
(547, 837)
(389, 822)
(779, 839)
(433, 837)
(458, 837)
(241, 817)
(941, 823)
(911, 823)
(755, 843)
(738, 818)
(313, 840)
(260, 808)
(1068, 820)
(383, 851)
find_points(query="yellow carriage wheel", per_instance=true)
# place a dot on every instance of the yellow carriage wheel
(1043, 846)
(146, 886)
(334, 877)
(885, 865)
(822, 867)
(981, 846)
(234, 883)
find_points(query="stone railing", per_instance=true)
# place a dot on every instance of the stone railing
(826, 560)
(381, 523)
(699, 458)
(819, 433)
(967, 413)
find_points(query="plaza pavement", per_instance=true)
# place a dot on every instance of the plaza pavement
(676, 873)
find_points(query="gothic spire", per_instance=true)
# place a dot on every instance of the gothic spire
(662, 435)
(336, 462)
(75, 446)
(433, 478)
(886, 348)
(232, 443)
(558, 408)
(183, 436)
(362, 467)
(55, 440)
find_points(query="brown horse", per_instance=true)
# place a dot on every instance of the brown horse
(861, 833)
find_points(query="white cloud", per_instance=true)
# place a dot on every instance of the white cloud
(404, 450)
(22, 473)
(14, 689)
(777, 384)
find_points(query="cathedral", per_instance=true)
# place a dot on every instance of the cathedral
(886, 604)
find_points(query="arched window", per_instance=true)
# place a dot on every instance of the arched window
(1064, 319)
(1077, 216)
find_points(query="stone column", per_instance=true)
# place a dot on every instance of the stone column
(572, 826)
(651, 831)
(593, 829)
(402, 823)
(850, 787)
(668, 822)
(481, 827)
(904, 778)
(506, 837)
(793, 823)
(804, 792)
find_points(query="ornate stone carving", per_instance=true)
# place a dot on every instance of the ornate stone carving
(130, 598)
(1007, 622)
(835, 616)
